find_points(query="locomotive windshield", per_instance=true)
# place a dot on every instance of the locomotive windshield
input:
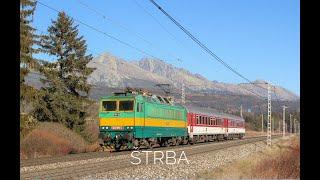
(109, 105)
(126, 105)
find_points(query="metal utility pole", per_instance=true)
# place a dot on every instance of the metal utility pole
(295, 125)
(284, 121)
(269, 117)
(183, 96)
(241, 110)
(290, 125)
(262, 122)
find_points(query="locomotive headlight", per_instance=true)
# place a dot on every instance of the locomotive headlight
(106, 127)
(131, 127)
(102, 127)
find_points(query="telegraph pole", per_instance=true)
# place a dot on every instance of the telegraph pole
(295, 125)
(262, 122)
(290, 124)
(241, 110)
(269, 117)
(284, 121)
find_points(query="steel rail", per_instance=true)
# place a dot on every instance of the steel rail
(77, 171)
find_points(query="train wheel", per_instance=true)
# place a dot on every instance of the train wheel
(117, 147)
(166, 144)
(174, 142)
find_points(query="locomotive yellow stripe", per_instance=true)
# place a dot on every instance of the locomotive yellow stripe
(140, 122)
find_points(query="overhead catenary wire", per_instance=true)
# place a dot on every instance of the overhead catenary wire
(158, 22)
(204, 47)
(113, 21)
(207, 49)
(88, 49)
(198, 42)
(103, 33)
(104, 17)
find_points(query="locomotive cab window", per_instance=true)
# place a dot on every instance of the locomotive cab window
(109, 105)
(126, 105)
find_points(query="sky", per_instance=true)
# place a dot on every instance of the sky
(258, 38)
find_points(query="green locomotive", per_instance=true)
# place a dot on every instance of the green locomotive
(132, 120)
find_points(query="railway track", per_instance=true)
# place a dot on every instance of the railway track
(77, 171)
(91, 155)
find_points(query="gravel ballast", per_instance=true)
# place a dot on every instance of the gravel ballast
(197, 163)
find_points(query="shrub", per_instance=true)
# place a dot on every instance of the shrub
(91, 131)
(27, 123)
(51, 139)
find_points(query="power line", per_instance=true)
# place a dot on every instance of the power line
(102, 32)
(104, 17)
(201, 44)
(88, 49)
(158, 22)
(253, 92)
(114, 22)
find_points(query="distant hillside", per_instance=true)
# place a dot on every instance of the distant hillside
(114, 74)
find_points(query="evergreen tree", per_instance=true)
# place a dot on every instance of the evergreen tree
(27, 40)
(64, 96)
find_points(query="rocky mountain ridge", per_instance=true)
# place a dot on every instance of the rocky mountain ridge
(146, 73)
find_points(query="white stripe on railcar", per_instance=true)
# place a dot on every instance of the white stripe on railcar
(202, 130)
(199, 130)
(236, 130)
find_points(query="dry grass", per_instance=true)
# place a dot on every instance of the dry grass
(280, 162)
(284, 164)
(250, 133)
(52, 139)
(92, 131)
(254, 133)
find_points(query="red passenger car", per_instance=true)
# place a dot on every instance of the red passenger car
(206, 124)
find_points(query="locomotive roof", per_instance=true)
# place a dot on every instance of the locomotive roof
(147, 97)
(211, 112)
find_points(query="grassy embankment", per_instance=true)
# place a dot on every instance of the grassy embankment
(282, 161)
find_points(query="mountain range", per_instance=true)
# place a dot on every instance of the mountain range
(114, 72)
